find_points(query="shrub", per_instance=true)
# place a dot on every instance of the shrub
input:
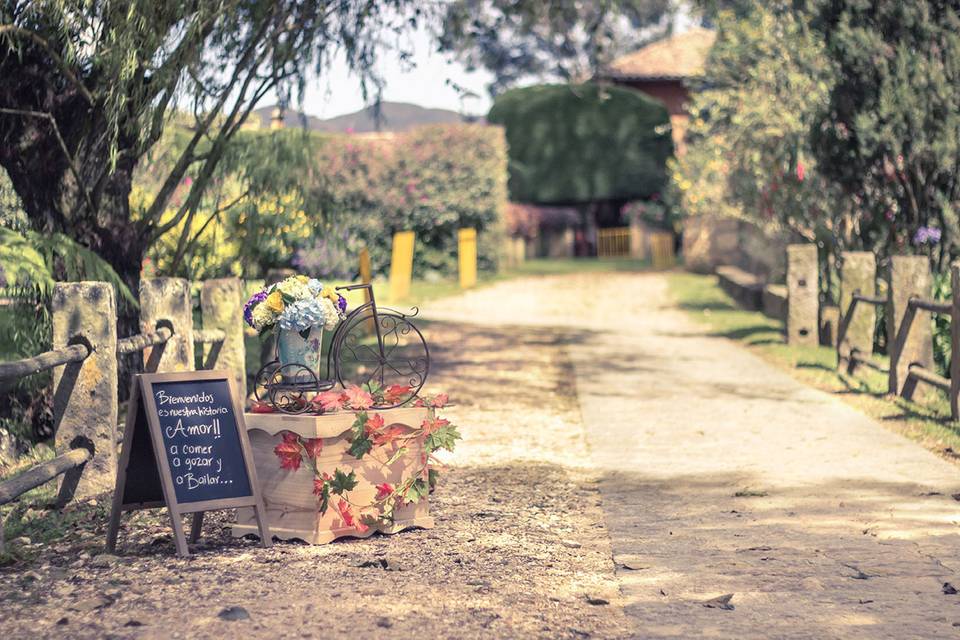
(315, 197)
(583, 143)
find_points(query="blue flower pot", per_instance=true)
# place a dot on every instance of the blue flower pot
(294, 348)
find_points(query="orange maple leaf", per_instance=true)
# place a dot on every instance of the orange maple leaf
(388, 435)
(258, 406)
(395, 392)
(432, 424)
(373, 424)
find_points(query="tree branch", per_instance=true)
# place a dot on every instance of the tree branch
(37, 39)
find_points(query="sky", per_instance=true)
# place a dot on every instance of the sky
(425, 83)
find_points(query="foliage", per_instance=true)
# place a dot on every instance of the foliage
(583, 143)
(889, 134)
(106, 78)
(748, 153)
(291, 197)
(382, 444)
(529, 39)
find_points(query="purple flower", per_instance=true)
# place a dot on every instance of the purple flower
(254, 300)
(927, 235)
(341, 303)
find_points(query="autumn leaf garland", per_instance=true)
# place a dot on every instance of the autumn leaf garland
(368, 433)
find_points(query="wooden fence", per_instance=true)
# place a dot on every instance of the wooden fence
(613, 242)
(85, 365)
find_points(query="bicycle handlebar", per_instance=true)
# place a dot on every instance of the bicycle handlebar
(351, 287)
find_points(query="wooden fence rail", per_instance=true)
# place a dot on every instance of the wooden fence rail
(910, 344)
(85, 392)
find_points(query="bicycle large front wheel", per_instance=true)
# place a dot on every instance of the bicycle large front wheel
(386, 349)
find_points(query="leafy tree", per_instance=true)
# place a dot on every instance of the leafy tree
(748, 152)
(583, 143)
(89, 86)
(889, 134)
(548, 41)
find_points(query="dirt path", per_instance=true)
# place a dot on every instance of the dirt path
(520, 549)
(724, 475)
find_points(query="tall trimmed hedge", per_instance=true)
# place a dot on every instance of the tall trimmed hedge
(583, 143)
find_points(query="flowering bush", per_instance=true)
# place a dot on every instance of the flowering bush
(370, 433)
(297, 303)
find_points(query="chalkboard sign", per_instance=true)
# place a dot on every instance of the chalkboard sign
(201, 440)
(185, 446)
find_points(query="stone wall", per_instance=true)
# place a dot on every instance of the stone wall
(710, 242)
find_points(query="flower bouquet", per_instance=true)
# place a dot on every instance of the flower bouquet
(298, 309)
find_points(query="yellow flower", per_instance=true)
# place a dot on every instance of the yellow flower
(274, 302)
(329, 292)
(303, 279)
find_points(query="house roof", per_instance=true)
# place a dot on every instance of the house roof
(674, 58)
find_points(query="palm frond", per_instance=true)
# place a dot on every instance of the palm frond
(27, 260)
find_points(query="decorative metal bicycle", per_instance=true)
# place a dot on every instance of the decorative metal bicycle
(371, 345)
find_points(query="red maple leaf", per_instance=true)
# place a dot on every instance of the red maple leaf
(384, 490)
(357, 398)
(432, 424)
(395, 392)
(329, 400)
(313, 447)
(289, 451)
(258, 406)
(349, 518)
(373, 424)
(440, 401)
(388, 435)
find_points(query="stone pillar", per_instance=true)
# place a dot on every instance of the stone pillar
(859, 274)
(803, 294)
(221, 303)
(911, 338)
(166, 302)
(85, 393)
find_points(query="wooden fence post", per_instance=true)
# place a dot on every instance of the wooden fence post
(221, 305)
(803, 294)
(85, 393)
(955, 340)
(166, 302)
(857, 322)
(401, 265)
(910, 342)
(467, 257)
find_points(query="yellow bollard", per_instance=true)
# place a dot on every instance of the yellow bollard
(401, 265)
(467, 252)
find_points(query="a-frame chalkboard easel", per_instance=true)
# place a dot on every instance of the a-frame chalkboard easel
(154, 453)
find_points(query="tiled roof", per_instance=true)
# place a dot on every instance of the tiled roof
(679, 56)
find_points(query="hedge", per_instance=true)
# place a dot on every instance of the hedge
(583, 143)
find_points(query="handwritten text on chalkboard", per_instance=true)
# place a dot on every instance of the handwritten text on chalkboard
(200, 440)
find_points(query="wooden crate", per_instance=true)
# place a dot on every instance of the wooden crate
(288, 495)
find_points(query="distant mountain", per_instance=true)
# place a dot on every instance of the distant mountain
(394, 116)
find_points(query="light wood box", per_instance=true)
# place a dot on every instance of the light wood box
(291, 506)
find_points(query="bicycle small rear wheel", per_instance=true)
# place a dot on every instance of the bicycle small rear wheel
(403, 359)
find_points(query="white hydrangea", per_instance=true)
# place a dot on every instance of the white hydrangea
(294, 288)
(262, 316)
(331, 314)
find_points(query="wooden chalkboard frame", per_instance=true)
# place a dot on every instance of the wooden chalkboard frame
(141, 397)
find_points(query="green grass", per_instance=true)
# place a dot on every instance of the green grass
(926, 421)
